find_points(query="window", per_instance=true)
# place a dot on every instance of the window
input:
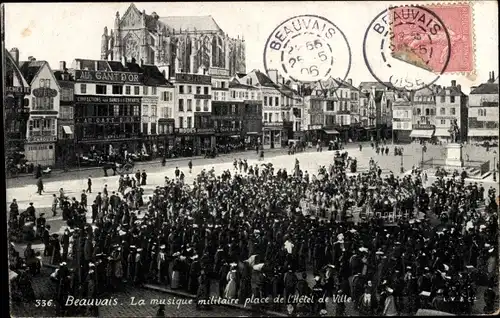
(83, 88)
(265, 116)
(205, 90)
(205, 105)
(452, 99)
(145, 110)
(270, 101)
(145, 128)
(136, 110)
(127, 90)
(181, 105)
(198, 90)
(233, 94)
(443, 99)
(270, 117)
(145, 90)
(442, 111)
(276, 101)
(153, 90)
(153, 110)
(165, 96)
(222, 84)
(181, 89)
(406, 114)
(198, 105)
(100, 89)
(452, 110)
(265, 100)
(216, 95)
(181, 122)
(427, 113)
(233, 109)
(189, 105)
(189, 119)
(117, 89)
(153, 128)
(136, 90)
(443, 121)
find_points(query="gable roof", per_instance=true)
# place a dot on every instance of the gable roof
(153, 76)
(378, 85)
(31, 69)
(263, 79)
(454, 91)
(191, 23)
(486, 88)
(235, 84)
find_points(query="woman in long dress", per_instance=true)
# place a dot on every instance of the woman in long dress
(176, 273)
(230, 290)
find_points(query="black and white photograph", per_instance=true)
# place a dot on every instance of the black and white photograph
(251, 159)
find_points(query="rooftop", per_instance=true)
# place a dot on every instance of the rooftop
(486, 88)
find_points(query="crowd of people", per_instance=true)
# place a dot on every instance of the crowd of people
(390, 245)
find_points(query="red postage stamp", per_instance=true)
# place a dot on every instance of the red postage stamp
(437, 37)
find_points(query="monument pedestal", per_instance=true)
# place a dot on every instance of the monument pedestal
(454, 155)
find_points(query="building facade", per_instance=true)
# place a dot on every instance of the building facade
(376, 109)
(166, 121)
(45, 96)
(424, 113)
(65, 146)
(193, 124)
(402, 121)
(181, 43)
(16, 106)
(483, 111)
(451, 105)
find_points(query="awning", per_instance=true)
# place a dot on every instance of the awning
(331, 132)
(422, 133)
(67, 130)
(252, 133)
(442, 132)
(482, 133)
(235, 136)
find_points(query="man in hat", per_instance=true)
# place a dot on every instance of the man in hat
(389, 304)
(40, 225)
(65, 244)
(89, 185)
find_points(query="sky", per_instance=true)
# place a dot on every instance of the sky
(65, 31)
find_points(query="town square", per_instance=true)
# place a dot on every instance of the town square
(180, 164)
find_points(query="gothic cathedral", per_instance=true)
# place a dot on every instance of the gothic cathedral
(176, 44)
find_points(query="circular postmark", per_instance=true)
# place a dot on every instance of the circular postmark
(306, 49)
(407, 48)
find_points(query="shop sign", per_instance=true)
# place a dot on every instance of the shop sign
(205, 130)
(186, 130)
(107, 120)
(193, 78)
(44, 92)
(18, 89)
(215, 71)
(228, 130)
(108, 100)
(42, 139)
(278, 124)
(315, 127)
(108, 77)
(202, 96)
(423, 126)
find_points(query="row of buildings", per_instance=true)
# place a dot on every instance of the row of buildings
(181, 81)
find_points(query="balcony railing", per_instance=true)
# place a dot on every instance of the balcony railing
(43, 133)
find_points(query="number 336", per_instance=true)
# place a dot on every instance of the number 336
(43, 303)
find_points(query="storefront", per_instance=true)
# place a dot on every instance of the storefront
(442, 134)
(112, 120)
(330, 135)
(194, 140)
(477, 135)
(272, 135)
(314, 133)
(422, 133)
(41, 150)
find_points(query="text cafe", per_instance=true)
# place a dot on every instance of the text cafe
(198, 139)
(108, 77)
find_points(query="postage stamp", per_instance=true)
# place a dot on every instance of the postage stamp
(308, 48)
(407, 48)
(410, 43)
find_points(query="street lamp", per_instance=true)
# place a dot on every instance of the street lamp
(494, 165)
(402, 167)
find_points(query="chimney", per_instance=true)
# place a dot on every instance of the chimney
(124, 61)
(492, 76)
(31, 58)
(133, 60)
(459, 87)
(453, 83)
(62, 65)
(14, 52)
(142, 62)
(349, 80)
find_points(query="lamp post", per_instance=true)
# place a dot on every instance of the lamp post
(402, 169)
(494, 165)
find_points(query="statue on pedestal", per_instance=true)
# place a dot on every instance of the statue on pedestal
(455, 132)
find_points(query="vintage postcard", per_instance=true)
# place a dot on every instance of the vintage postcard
(246, 159)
